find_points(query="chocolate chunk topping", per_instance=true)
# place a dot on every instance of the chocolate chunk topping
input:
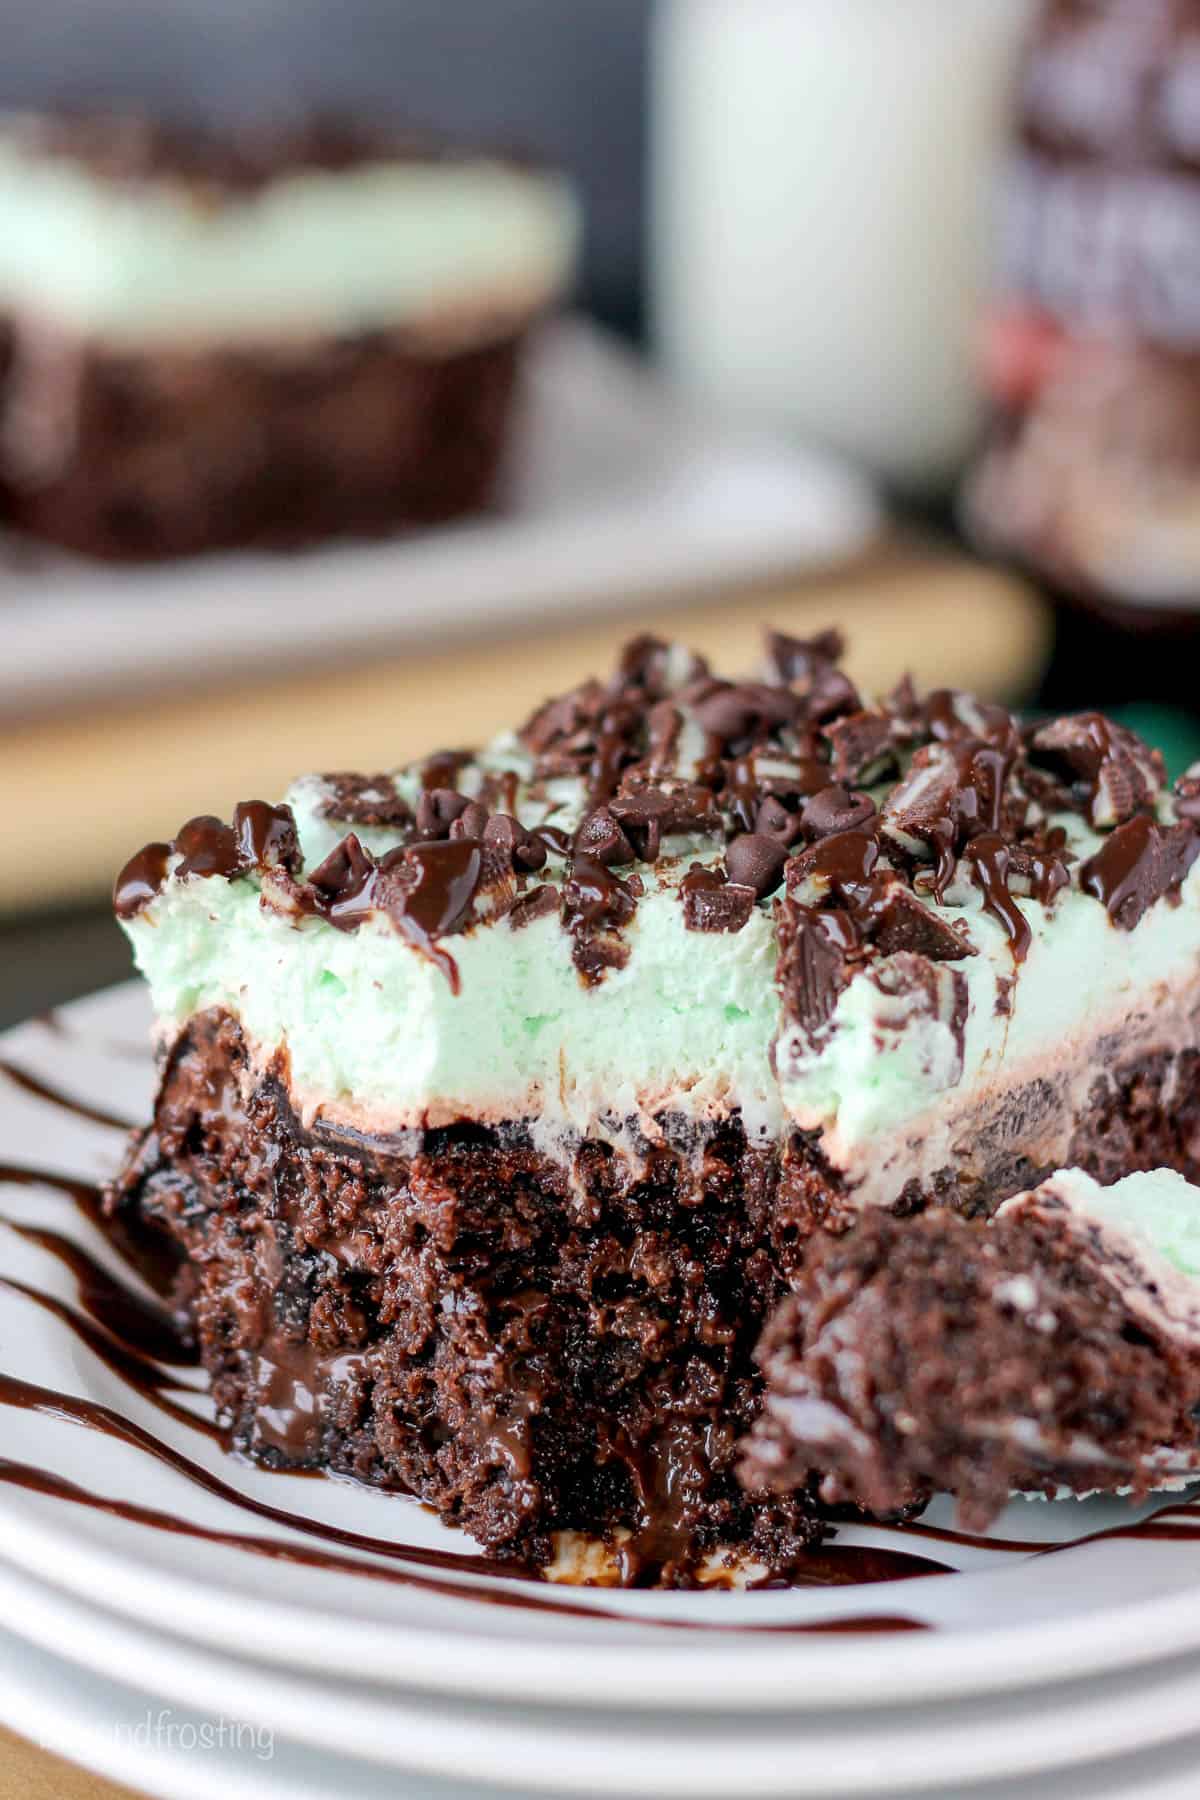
(471, 822)
(266, 835)
(437, 810)
(755, 860)
(536, 904)
(647, 814)
(815, 953)
(902, 923)
(509, 838)
(952, 792)
(711, 903)
(261, 836)
(1115, 775)
(340, 882)
(809, 666)
(364, 800)
(1137, 865)
(862, 746)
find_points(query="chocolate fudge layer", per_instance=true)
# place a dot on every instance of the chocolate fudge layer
(1055, 1350)
(503, 1092)
(211, 340)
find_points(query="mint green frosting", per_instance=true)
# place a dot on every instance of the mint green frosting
(381, 244)
(1156, 1207)
(903, 1072)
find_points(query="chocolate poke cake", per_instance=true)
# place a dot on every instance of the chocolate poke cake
(1055, 1350)
(502, 1095)
(212, 339)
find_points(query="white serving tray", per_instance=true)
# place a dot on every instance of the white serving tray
(614, 492)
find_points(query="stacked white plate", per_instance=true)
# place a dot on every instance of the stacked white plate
(187, 1623)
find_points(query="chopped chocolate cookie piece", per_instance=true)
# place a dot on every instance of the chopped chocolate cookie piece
(1116, 775)
(862, 746)
(711, 903)
(1137, 865)
(364, 800)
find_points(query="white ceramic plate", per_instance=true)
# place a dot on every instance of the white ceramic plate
(220, 1743)
(613, 493)
(1009, 1619)
(668, 1754)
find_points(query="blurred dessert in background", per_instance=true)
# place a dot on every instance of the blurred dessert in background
(1092, 350)
(213, 340)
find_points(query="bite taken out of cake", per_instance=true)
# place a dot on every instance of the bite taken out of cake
(503, 1094)
(1054, 1350)
(216, 338)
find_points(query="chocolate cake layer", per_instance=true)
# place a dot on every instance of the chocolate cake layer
(531, 1348)
(1052, 1351)
(138, 454)
(527, 1348)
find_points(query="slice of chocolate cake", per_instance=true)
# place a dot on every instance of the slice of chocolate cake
(502, 1093)
(1056, 1349)
(211, 339)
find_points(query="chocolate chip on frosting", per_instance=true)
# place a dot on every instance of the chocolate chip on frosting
(756, 860)
(471, 821)
(437, 811)
(507, 835)
(601, 837)
(835, 808)
(774, 818)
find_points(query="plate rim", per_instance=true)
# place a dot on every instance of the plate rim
(779, 1671)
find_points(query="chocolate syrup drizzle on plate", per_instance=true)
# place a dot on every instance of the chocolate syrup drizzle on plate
(143, 1345)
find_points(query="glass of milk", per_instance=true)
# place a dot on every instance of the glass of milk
(821, 213)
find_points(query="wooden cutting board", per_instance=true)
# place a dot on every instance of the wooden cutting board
(82, 790)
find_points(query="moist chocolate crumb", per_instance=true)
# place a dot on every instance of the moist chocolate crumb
(938, 1353)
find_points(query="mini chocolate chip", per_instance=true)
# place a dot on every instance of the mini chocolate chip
(755, 860)
(600, 837)
(471, 821)
(437, 811)
(835, 809)
(776, 821)
(507, 835)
